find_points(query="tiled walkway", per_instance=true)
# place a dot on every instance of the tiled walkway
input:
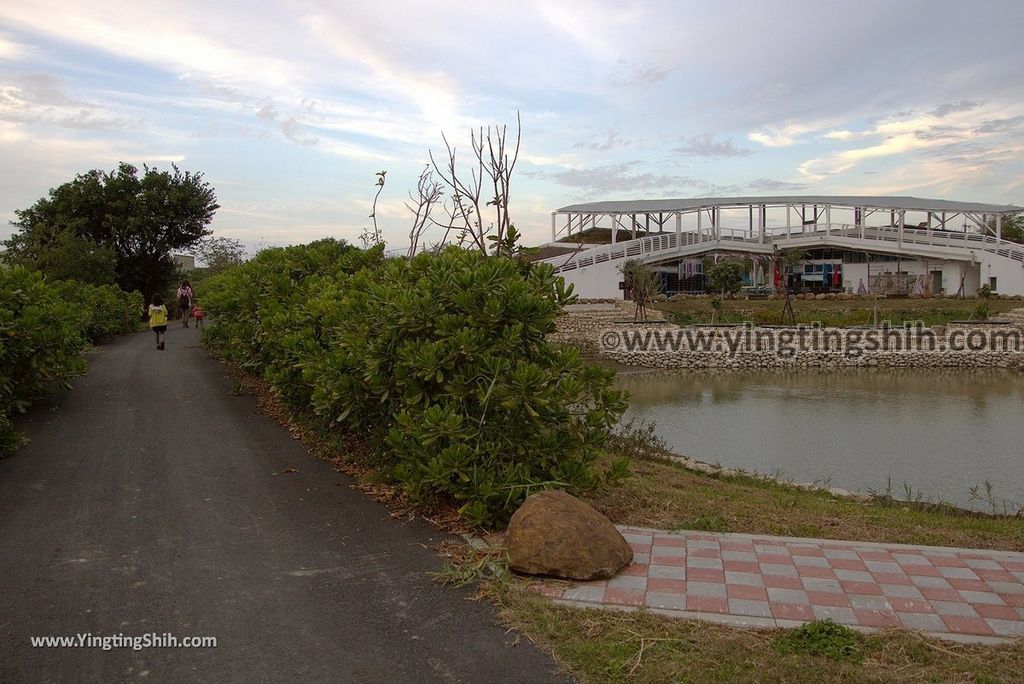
(762, 581)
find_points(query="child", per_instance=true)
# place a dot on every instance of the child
(158, 319)
(198, 314)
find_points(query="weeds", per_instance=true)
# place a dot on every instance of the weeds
(823, 638)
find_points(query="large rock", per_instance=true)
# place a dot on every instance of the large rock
(554, 533)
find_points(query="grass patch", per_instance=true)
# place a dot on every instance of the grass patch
(666, 495)
(606, 646)
(835, 313)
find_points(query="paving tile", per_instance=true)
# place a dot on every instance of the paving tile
(939, 582)
(791, 611)
(900, 590)
(743, 556)
(665, 585)
(783, 582)
(774, 559)
(705, 589)
(753, 579)
(699, 543)
(865, 588)
(957, 573)
(745, 591)
(843, 616)
(740, 566)
(669, 540)
(591, 594)
(642, 558)
(705, 575)
(791, 596)
(706, 604)
(743, 546)
(982, 597)
(549, 590)
(854, 575)
(624, 597)
(905, 605)
(983, 564)
(877, 618)
(828, 598)
(1012, 565)
(628, 582)
(989, 610)
(815, 571)
(819, 561)
(953, 608)
(910, 559)
(826, 585)
(892, 578)
(1011, 628)
(636, 538)
(657, 599)
(926, 622)
(1006, 587)
(748, 607)
(922, 571)
(875, 555)
(709, 563)
(841, 554)
(939, 594)
(636, 569)
(852, 564)
(798, 550)
(995, 575)
(662, 550)
(967, 625)
(969, 585)
(868, 602)
(666, 571)
(779, 569)
(884, 566)
(946, 561)
(657, 558)
(1016, 600)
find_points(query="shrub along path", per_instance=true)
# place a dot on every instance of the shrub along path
(151, 499)
(765, 581)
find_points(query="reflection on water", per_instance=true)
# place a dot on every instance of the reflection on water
(939, 432)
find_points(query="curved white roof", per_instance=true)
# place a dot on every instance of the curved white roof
(868, 202)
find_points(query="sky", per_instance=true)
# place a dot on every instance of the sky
(289, 109)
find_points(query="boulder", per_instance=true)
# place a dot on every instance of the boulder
(554, 533)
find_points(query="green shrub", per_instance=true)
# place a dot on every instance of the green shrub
(822, 637)
(108, 310)
(441, 362)
(41, 343)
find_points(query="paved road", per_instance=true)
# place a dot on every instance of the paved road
(153, 500)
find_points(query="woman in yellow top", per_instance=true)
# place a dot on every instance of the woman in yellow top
(158, 319)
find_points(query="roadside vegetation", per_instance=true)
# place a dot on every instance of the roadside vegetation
(837, 312)
(439, 362)
(45, 330)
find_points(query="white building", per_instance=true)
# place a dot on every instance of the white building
(892, 245)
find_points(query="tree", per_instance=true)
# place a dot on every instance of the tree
(642, 283)
(726, 277)
(786, 262)
(70, 257)
(139, 219)
(220, 253)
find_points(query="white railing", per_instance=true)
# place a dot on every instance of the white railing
(743, 240)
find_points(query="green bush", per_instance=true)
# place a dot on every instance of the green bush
(41, 343)
(108, 310)
(822, 637)
(441, 362)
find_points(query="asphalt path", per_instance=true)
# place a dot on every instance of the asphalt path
(153, 500)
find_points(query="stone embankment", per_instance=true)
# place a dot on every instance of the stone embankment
(606, 328)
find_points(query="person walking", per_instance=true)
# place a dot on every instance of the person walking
(158, 319)
(185, 300)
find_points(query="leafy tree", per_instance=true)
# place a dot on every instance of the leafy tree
(70, 257)
(642, 283)
(220, 253)
(726, 277)
(141, 219)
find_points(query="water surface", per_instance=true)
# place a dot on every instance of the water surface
(938, 432)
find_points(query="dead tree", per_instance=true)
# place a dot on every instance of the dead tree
(428, 194)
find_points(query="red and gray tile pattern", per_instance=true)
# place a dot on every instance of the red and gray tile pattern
(761, 581)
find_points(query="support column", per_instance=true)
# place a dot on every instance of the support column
(679, 229)
(700, 229)
(789, 221)
(903, 218)
(553, 229)
(828, 220)
(999, 226)
(615, 228)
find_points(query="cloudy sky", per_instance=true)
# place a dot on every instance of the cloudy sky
(290, 108)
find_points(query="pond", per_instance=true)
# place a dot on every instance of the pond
(938, 433)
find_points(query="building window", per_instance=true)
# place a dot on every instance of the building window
(992, 283)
